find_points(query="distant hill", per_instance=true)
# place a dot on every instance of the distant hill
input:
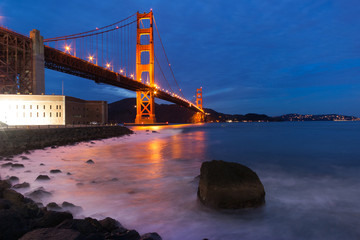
(125, 111)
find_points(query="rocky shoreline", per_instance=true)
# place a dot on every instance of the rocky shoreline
(23, 218)
(17, 141)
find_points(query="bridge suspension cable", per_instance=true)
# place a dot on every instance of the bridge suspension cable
(167, 59)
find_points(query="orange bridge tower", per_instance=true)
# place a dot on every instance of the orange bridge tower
(145, 104)
(199, 101)
(199, 117)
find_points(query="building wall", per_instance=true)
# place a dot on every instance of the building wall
(31, 109)
(50, 110)
(85, 112)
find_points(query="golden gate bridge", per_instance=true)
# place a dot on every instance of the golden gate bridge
(125, 54)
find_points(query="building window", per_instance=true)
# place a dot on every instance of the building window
(37, 106)
(30, 114)
(44, 106)
(50, 108)
(44, 114)
(59, 106)
(37, 114)
(59, 114)
(50, 113)
(23, 106)
(30, 106)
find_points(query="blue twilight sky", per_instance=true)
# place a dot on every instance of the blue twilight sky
(262, 56)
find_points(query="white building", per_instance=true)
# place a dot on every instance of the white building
(50, 110)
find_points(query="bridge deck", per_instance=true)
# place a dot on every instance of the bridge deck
(63, 62)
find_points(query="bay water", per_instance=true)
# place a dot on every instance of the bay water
(147, 180)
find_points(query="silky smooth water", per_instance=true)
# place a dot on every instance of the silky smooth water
(147, 181)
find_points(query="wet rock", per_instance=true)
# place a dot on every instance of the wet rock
(12, 225)
(41, 164)
(229, 185)
(5, 204)
(38, 194)
(53, 147)
(110, 225)
(24, 157)
(53, 234)
(154, 131)
(55, 171)
(92, 142)
(6, 165)
(128, 235)
(71, 207)
(53, 207)
(27, 171)
(13, 179)
(90, 161)
(80, 225)
(52, 219)
(39, 204)
(68, 173)
(42, 177)
(21, 185)
(4, 184)
(13, 197)
(151, 236)
(79, 184)
(17, 165)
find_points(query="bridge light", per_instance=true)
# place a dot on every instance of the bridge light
(108, 65)
(67, 48)
(154, 92)
(91, 58)
(121, 71)
(132, 76)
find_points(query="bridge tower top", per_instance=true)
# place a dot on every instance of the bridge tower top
(199, 100)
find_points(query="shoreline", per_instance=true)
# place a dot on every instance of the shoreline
(23, 218)
(26, 211)
(17, 141)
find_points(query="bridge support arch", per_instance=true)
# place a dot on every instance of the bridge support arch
(145, 103)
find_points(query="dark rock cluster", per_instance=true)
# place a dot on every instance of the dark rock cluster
(22, 218)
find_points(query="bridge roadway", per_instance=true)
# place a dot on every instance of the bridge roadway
(63, 62)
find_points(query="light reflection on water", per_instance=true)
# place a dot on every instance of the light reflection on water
(147, 181)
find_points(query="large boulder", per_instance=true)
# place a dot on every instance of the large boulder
(229, 185)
